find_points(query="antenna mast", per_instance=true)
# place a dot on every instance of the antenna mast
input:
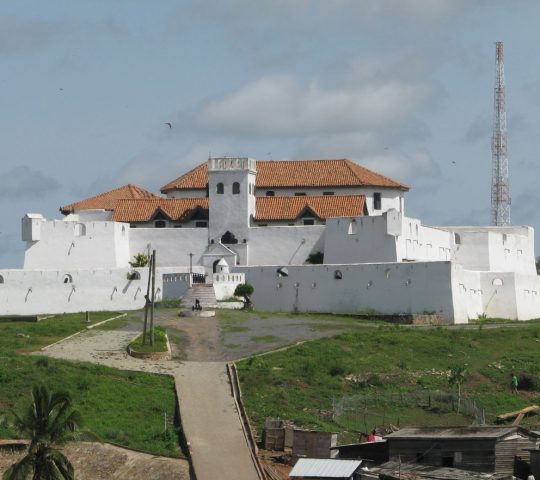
(500, 187)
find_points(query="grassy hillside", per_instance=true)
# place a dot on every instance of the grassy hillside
(118, 406)
(387, 367)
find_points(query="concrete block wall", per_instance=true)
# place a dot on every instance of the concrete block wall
(388, 288)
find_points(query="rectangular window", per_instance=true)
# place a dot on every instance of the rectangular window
(377, 201)
(309, 221)
(178, 226)
(328, 193)
(299, 194)
(201, 224)
(132, 226)
(263, 224)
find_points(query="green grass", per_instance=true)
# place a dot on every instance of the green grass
(300, 383)
(118, 406)
(160, 342)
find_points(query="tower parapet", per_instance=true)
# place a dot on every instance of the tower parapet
(232, 163)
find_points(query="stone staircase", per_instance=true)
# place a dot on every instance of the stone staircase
(204, 292)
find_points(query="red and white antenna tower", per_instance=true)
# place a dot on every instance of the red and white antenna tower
(500, 187)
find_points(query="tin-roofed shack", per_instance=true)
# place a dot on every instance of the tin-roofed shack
(374, 453)
(479, 449)
(399, 471)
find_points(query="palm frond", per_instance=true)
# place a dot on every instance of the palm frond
(21, 469)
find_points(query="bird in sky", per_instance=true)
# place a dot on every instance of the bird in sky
(169, 124)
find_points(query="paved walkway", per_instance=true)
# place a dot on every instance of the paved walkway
(209, 417)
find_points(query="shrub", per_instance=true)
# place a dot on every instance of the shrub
(315, 258)
(140, 260)
(336, 370)
(243, 289)
(527, 382)
(42, 362)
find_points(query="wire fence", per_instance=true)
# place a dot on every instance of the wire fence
(357, 412)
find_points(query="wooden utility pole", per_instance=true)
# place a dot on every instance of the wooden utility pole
(153, 297)
(147, 301)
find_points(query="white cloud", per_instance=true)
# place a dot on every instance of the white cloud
(282, 106)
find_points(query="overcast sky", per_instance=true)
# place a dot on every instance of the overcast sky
(404, 87)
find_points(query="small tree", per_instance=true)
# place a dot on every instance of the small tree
(244, 290)
(48, 422)
(538, 265)
(140, 260)
(458, 376)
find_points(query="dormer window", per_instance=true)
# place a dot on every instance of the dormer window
(219, 188)
(160, 224)
(235, 188)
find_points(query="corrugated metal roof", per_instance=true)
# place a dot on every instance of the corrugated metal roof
(324, 467)
(452, 432)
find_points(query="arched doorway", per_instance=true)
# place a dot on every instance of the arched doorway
(214, 266)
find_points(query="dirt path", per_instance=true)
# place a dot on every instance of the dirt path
(201, 335)
(207, 410)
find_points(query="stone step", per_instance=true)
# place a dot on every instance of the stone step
(204, 293)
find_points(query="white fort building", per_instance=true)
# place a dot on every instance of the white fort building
(235, 220)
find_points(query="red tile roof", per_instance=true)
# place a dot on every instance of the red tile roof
(143, 210)
(324, 206)
(295, 174)
(108, 200)
(268, 208)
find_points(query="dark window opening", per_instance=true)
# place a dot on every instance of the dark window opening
(228, 237)
(309, 221)
(299, 194)
(419, 457)
(201, 224)
(270, 193)
(178, 226)
(338, 275)
(160, 224)
(328, 193)
(377, 201)
(132, 226)
(235, 188)
(219, 188)
(263, 224)
(447, 461)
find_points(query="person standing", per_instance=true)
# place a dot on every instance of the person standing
(514, 383)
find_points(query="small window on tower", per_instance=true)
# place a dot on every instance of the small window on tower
(219, 188)
(235, 188)
(377, 201)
